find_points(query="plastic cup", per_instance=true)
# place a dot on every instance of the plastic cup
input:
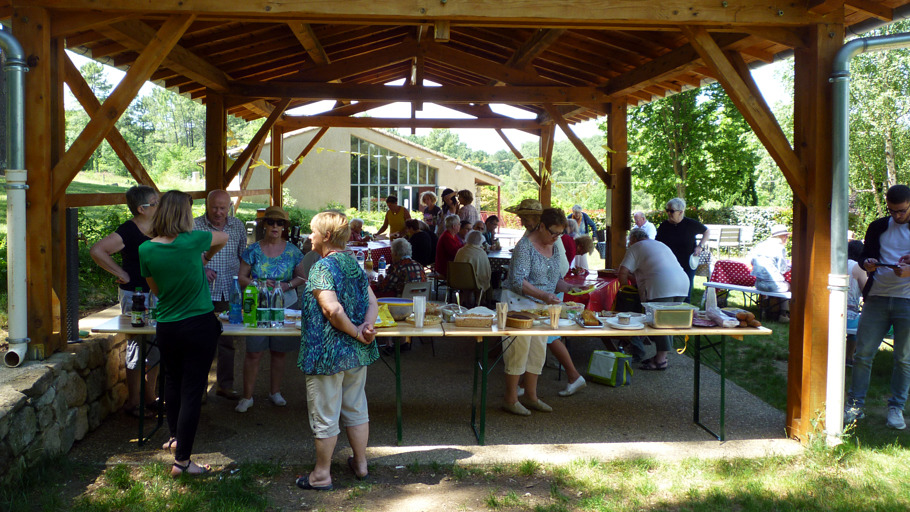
(420, 310)
(554, 310)
(502, 312)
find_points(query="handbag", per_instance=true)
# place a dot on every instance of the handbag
(610, 368)
(628, 300)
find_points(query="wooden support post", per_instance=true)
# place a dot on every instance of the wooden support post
(275, 160)
(58, 210)
(807, 367)
(621, 191)
(215, 142)
(31, 26)
(545, 194)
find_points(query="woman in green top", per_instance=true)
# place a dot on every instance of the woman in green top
(172, 263)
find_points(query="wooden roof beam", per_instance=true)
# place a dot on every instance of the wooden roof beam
(116, 104)
(790, 37)
(579, 145)
(518, 155)
(304, 33)
(297, 122)
(66, 23)
(537, 44)
(824, 6)
(344, 68)
(256, 140)
(90, 104)
(733, 74)
(873, 9)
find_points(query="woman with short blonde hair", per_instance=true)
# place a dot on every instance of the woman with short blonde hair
(333, 226)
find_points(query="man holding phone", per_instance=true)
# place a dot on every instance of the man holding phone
(887, 304)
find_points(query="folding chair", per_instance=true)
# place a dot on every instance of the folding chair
(461, 277)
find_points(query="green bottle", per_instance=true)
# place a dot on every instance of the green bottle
(250, 302)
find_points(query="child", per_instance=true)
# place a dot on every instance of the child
(584, 245)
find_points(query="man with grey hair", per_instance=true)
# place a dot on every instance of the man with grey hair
(220, 271)
(473, 253)
(642, 222)
(678, 233)
(657, 281)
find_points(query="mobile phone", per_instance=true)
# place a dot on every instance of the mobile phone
(889, 265)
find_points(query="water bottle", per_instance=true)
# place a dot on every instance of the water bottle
(263, 311)
(277, 307)
(360, 259)
(250, 304)
(382, 264)
(235, 313)
(153, 309)
(138, 314)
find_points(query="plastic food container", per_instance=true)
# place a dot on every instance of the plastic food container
(669, 315)
(449, 312)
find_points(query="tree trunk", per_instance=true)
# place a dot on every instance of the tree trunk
(889, 157)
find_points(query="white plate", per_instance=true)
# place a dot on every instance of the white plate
(614, 323)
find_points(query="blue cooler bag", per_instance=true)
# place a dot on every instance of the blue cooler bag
(610, 368)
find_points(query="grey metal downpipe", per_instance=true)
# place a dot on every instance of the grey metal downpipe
(17, 281)
(838, 278)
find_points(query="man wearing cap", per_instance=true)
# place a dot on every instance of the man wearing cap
(220, 271)
(770, 263)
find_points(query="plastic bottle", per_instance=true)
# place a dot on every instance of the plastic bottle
(368, 262)
(263, 311)
(277, 303)
(250, 304)
(153, 309)
(382, 264)
(138, 313)
(235, 313)
(360, 258)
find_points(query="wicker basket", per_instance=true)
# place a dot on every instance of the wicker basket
(519, 320)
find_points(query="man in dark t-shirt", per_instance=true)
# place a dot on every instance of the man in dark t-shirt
(678, 233)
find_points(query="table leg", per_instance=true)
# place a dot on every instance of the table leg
(719, 348)
(480, 368)
(723, 387)
(696, 378)
(398, 385)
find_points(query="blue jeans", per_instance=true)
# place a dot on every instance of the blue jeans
(879, 314)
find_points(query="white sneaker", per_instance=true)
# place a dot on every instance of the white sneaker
(244, 404)
(521, 391)
(573, 387)
(278, 400)
(896, 418)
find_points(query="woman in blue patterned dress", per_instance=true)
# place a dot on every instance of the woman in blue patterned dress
(339, 312)
(280, 264)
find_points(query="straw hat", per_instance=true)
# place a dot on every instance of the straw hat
(526, 207)
(276, 212)
(779, 230)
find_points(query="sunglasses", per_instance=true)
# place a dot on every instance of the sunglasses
(275, 222)
(671, 212)
(149, 205)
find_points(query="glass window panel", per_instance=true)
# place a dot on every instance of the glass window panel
(393, 162)
(414, 173)
(431, 175)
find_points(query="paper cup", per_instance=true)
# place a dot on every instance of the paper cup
(502, 313)
(420, 310)
(554, 310)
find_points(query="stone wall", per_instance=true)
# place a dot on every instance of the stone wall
(46, 406)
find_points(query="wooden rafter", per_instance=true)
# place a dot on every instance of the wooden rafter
(873, 9)
(259, 137)
(518, 155)
(116, 104)
(304, 33)
(500, 73)
(90, 104)
(747, 97)
(296, 122)
(306, 151)
(534, 46)
(71, 23)
(365, 62)
(579, 145)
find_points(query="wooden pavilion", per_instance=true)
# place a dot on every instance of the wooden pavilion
(564, 61)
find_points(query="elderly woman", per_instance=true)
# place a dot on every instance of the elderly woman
(279, 264)
(126, 239)
(536, 272)
(403, 270)
(572, 228)
(583, 220)
(395, 218)
(187, 330)
(678, 233)
(467, 211)
(357, 232)
(473, 253)
(657, 282)
(339, 312)
(430, 211)
(421, 242)
(448, 244)
(449, 207)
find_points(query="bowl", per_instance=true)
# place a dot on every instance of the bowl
(398, 308)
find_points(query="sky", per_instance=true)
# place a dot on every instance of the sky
(486, 139)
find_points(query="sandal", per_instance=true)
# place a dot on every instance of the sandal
(170, 445)
(354, 470)
(185, 469)
(650, 365)
(304, 483)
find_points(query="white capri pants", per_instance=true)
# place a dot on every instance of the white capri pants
(525, 354)
(334, 399)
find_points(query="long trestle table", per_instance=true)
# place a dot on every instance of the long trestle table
(709, 341)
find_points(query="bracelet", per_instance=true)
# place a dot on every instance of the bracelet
(206, 258)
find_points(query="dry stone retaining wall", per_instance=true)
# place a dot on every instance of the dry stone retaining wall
(46, 406)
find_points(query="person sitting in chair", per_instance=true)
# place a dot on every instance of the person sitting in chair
(402, 271)
(770, 263)
(473, 253)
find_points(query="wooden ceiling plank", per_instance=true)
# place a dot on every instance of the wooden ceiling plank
(737, 82)
(66, 23)
(463, 60)
(304, 33)
(457, 94)
(533, 47)
(116, 104)
(789, 37)
(824, 6)
(341, 69)
(297, 122)
(521, 159)
(259, 137)
(306, 151)
(136, 34)
(583, 150)
(261, 107)
(873, 9)
(84, 95)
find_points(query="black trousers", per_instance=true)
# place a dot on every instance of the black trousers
(187, 349)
